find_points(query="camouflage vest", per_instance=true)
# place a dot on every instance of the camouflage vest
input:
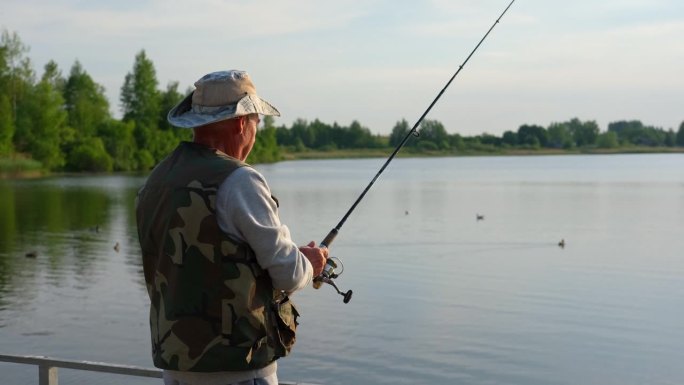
(212, 306)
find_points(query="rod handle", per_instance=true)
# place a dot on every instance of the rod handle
(329, 238)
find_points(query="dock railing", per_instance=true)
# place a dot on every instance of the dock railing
(48, 375)
(47, 367)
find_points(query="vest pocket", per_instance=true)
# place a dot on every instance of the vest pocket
(285, 315)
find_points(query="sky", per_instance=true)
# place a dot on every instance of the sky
(381, 61)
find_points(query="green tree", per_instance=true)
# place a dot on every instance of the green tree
(85, 102)
(399, 132)
(6, 112)
(359, 136)
(635, 132)
(608, 139)
(6, 126)
(427, 145)
(322, 133)
(680, 135)
(532, 136)
(119, 142)
(41, 120)
(16, 74)
(490, 140)
(265, 148)
(90, 155)
(560, 136)
(301, 133)
(140, 101)
(284, 136)
(53, 76)
(670, 138)
(167, 100)
(472, 143)
(510, 138)
(456, 141)
(16, 79)
(584, 133)
(626, 131)
(144, 159)
(433, 131)
(268, 121)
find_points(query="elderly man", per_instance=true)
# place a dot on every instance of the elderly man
(218, 264)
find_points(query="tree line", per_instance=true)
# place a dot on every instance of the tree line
(433, 137)
(64, 123)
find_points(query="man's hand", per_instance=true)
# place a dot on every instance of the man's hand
(316, 255)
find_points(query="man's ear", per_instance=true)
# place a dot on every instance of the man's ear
(241, 124)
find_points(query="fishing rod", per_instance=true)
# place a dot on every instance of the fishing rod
(328, 275)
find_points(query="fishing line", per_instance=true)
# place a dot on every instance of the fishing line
(329, 273)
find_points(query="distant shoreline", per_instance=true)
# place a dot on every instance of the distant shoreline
(16, 171)
(407, 153)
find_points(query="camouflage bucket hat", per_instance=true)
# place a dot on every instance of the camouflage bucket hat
(219, 96)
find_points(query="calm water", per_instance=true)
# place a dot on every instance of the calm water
(439, 297)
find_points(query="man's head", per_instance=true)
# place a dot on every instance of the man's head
(219, 96)
(234, 137)
(223, 112)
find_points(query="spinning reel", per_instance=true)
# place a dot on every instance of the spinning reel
(329, 274)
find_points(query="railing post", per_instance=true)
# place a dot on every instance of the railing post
(47, 375)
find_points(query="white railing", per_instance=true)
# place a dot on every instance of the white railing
(47, 368)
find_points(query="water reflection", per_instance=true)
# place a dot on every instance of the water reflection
(56, 228)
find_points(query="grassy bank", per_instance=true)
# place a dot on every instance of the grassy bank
(19, 167)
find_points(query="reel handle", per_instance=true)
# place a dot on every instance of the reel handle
(347, 295)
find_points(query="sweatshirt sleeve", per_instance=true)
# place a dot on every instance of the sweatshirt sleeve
(246, 211)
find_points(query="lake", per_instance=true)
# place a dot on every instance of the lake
(439, 296)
